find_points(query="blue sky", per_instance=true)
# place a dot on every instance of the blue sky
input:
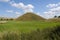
(15, 8)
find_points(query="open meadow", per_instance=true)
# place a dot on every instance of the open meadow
(29, 30)
(26, 26)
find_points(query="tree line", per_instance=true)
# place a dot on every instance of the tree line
(56, 16)
(6, 19)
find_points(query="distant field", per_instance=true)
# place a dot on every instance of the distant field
(26, 26)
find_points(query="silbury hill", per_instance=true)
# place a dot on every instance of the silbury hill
(29, 16)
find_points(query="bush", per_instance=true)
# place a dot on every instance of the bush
(46, 34)
(11, 36)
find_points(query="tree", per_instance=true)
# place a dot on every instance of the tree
(11, 19)
(58, 16)
(1, 19)
(55, 16)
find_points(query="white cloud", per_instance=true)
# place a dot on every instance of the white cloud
(57, 9)
(25, 8)
(4, 0)
(28, 8)
(17, 16)
(10, 11)
(38, 13)
(53, 5)
(17, 13)
(49, 14)
(54, 9)
(52, 12)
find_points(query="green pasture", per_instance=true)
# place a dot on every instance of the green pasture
(26, 26)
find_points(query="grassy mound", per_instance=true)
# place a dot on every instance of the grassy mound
(30, 17)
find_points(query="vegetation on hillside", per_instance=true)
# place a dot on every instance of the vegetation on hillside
(30, 17)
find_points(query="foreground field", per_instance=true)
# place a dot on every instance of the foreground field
(26, 26)
(29, 30)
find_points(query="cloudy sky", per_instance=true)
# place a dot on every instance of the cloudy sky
(16, 8)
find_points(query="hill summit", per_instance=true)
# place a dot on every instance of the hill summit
(29, 16)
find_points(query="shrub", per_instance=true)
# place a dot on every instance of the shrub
(46, 34)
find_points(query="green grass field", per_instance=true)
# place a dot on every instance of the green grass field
(26, 26)
(29, 30)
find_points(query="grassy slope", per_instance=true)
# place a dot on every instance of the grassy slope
(25, 26)
(30, 17)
